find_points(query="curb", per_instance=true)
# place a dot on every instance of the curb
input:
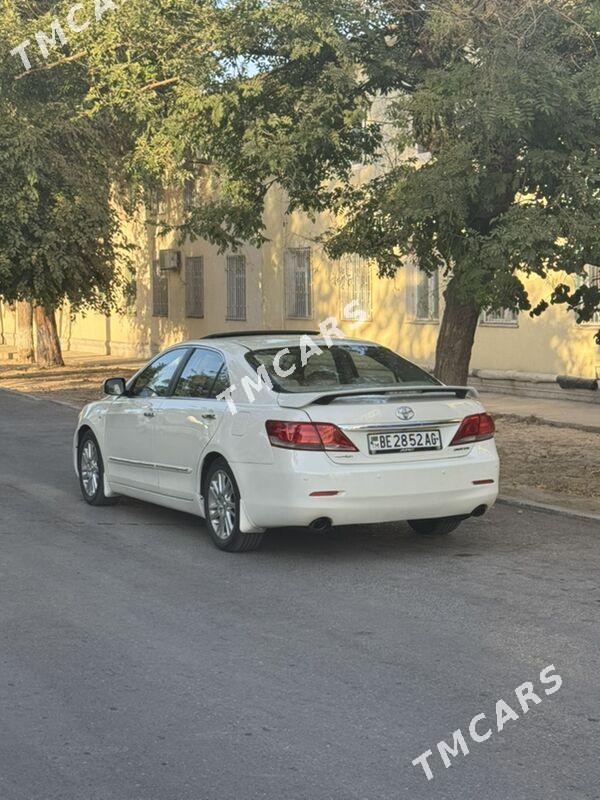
(561, 510)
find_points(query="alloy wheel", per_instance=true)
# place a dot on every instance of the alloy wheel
(222, 505)
(90, 468)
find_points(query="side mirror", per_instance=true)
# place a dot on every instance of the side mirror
(116, 387)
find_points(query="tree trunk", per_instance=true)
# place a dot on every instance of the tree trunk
(48, 351)
(25, 351)
(456, 336)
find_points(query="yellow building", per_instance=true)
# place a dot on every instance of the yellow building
(189, 291)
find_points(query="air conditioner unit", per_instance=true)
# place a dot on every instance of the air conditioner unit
(170, 260)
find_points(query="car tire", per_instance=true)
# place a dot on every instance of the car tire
(435, 527)
(91, 472)
(222, 510)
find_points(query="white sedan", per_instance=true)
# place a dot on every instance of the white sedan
(256, 431)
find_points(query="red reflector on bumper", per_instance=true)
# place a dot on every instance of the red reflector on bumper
(323, 494)
(481, 483)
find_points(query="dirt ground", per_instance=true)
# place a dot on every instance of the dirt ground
(548, 464)
(540, 462)
(78, 383)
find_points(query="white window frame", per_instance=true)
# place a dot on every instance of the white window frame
(194, 287)
(500, 318)
(236, 287)
(298, 283)
(355, 287)
(431, 283)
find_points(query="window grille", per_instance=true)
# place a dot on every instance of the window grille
(236, 287)
(153, 202)
(194, 286)
(189, 194)
(160, 291)
(592, 278)
(499, 316)
(298, 283)
(355, 287)
(130, 297)
(427, 295)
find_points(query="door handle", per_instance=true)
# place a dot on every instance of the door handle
(149, 413)
(209, 415)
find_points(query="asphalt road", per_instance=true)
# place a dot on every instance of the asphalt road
(139, 663)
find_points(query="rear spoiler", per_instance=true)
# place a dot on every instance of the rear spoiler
(302, 399)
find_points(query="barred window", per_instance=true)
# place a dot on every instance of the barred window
(130, 291)
(153, 202)
(592, 278)
(160, 291)
(189, 193)
(500, 316)
(194, 286)
(355, 287)
(236, 287)
(427, 295)
(298, 283)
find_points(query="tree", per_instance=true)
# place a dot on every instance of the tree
(59, 229)
(504, 97)
(257, 92)
(25, 348)
(502, 94)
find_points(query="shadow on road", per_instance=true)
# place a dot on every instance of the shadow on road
(364, 542)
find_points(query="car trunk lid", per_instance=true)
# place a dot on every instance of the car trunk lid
(392, 425)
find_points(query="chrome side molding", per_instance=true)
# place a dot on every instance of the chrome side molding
(149, 465)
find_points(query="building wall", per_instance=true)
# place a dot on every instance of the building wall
(551, 344)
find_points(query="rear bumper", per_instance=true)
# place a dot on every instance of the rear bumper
(278, 494)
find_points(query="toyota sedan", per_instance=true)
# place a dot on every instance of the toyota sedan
(258, 431)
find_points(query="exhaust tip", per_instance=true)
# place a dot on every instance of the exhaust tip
(479, 511)
(320, 525)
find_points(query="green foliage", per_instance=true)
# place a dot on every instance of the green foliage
(504, 97)
(260, 91)
(59, 229)
(502, 94)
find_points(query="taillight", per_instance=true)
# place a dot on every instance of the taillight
(307, 436)
(296, 435)
(333, 438)
(474, 428)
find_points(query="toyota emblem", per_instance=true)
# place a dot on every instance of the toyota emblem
(405, 412)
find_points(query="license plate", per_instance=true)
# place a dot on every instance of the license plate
(404, 441)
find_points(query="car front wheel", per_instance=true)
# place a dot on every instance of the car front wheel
(222, 510)
(91, 472)
(435, 527)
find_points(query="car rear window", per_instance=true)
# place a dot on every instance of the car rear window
(342, 365)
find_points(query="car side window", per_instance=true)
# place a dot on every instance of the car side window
(201, 375)
(155, 380)
(222, 382)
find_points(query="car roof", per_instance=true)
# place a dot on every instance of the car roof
(259, 341)
(237, 334)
